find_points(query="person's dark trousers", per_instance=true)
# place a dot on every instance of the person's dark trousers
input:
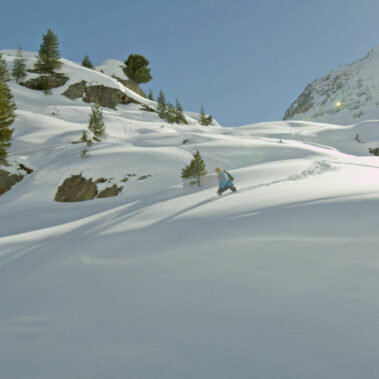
(221, 190)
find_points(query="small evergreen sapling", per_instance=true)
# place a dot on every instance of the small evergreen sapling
(46, 85)
(179, 115)
(150, 95)
(96, 120)
(170, 115)
(205, 120)
(4, 73)
(84, 153)
(48, 54)
(18, 70)
(7, 117)
(87, 62)
(161, 105)
(195, 169)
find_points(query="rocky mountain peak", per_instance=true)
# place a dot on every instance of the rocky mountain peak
(346, 95)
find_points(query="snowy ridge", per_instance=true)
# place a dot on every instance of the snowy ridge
(347, 95)
(112, 67)
(169, 280)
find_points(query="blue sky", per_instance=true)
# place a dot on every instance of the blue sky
(245, 61)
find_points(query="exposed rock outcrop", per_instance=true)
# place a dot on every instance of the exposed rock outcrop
(24, 168)
(346, 95)
(43, 82)
(110, 191)
(303, 103)
(8, 180)
(76, 188)
(146, 108)
(132, 85)
(105, 96)
(374, 151)
(76, 91)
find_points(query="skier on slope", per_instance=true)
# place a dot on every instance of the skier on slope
(225, 181)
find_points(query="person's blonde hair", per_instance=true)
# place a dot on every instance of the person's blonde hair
(218, 169)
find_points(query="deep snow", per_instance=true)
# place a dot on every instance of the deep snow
(167, 280)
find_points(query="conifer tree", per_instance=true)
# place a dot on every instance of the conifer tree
(195, 169)
(179, 116)
(48, 54)
(87, 62)
(161, 106)
(45, 85)
(170, 113)
(96, 120)
(18, 71)
(150, 95)
(205, 120)
(4, 73)
(136, 68)
(7, 117)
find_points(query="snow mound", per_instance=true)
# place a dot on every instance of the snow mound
(112, 68)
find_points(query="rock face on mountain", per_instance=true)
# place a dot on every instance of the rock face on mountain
(43, 82)
(132, 85)
(347, 95)
(105, 96)
(76, 91)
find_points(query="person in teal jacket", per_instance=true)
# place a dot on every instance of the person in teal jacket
(225, 181)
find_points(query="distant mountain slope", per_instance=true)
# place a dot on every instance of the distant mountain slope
(347, 95)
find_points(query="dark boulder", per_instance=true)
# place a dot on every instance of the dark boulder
(76, 188)
(7, 180)
(75, 91)
(110, 191)
(374, 151)
(43, 82)
(24, 168)
(106, 96)
(132, 85)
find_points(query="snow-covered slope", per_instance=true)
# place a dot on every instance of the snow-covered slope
(167, 280)
(112, 67)
(347, 95)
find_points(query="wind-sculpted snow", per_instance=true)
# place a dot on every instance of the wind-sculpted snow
(169, 280)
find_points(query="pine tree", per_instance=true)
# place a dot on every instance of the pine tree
(150, 95)
(204, 120)
(196, 168)
(170, 114)
(87, 62)
(7, 117)
(48, 54)
(161, 106)
(96, 120)
(136, 68)
(18, 71)
(4, 73)
(179, 116)
(45, 84)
